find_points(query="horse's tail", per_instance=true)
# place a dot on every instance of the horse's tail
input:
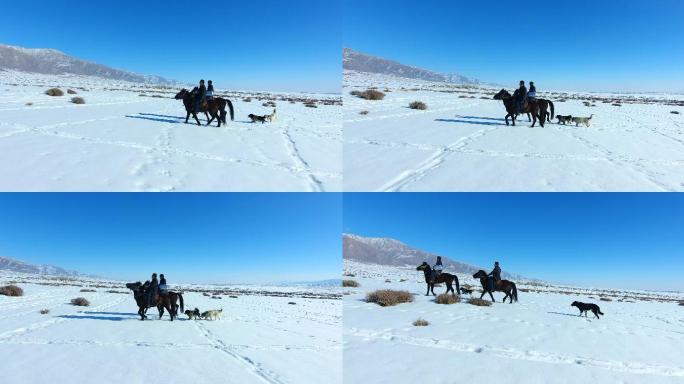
(553, 114)
(458, 286)
(182, 307)
(515, 292)
(232, 111)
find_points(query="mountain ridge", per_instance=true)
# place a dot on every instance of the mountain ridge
(14, 265)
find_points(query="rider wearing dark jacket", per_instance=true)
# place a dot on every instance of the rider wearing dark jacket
(200, 95)
(210, 90)
(532, 87)
(520, 95)
(162, 279)
(496, 272)
(152, 290)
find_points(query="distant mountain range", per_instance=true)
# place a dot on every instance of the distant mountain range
(13, 265)
(391, 252)
(54, 62)
(360, 62)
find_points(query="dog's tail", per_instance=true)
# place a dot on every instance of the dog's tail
(600, 313)
(515, 292)
(591, 117)
(180, 296)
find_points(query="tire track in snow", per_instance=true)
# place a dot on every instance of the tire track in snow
(527, 355)
(250, 365)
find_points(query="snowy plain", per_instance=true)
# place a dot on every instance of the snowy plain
(461, 142)
(540, 339)
(132, 137)
(261, 338)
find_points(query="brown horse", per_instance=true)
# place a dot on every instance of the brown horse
(216, 107)
(443, 277)
(163, 300)
(508, 287)
(538, 108)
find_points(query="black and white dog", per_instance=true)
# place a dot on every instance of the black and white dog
(585, 308)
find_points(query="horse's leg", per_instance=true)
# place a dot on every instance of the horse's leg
(160, 308)
(513, 118)
(428, 289)
(492, 296)
(209, 121)
(534, 119)
(196, 119)
(187, 117)
(529, 118)
(507, 119)
(482, 295)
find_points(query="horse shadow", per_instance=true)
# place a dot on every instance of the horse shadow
(110, 313)
(89, 317)
(478, 118)
(162, 119)
(469, 122)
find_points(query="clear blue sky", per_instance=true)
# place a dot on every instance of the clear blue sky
(192, 238)
(289, 45)
(592, 45)
(617, 240)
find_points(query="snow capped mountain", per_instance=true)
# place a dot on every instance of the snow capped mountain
(39, 269)
(360, 62)
(391, 252)
(54, 62)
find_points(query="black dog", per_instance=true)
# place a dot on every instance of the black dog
(585, 308)
(193, 314)
(564, 119)
(256, 118)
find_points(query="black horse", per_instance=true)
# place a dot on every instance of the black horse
(443, 277)
(538, 108)
(508, 287)
(215, 107)
(162, 300)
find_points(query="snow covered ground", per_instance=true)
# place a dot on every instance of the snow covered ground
(540, 339)
(121, 141)
(262, 338)
(461, 142)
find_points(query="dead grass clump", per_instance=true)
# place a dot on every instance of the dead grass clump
(479, 302)
(247, 100)
(523, 290)
(605, 299)
(372, 94)
(78, 100)
(674, 112)
(418, 105)
(364, 113)
(681, 302)
(421, 323)
(311, 105)
(388, 297)
(11, 290)
(617, 105)
(446, 298)
(54, 92)
(350, 283)
(88, 290)
(291, 303)
(44, 311)
(80, 301)
(71, 91)
(29, 104)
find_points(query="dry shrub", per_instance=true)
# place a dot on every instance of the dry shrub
(54, 92)
(80, 301)
(311, 105)
(29, 104)
(371, 94)
(446, 298)
(71, 91)
(681, 302)
(523, 290)
(78, 100)
(388, 281)
(421, 323)
(674, 112)
(233, 297)
(617, 105)
(11, 290)
(88, 290)
(44, 311)
(364, 113)
(349, 274)
(418, 105)
(350, 283)
(388, 297)
(291, 303)
(247, 100)
(605, 299)
(479, 302)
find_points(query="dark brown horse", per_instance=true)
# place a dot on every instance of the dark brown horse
(508, 287)
(216, 107)
(538, 108)
(163, 300)
(443, 277)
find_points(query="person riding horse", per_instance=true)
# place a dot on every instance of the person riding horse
(437, 269)
(200, 96)
(520, 96)
(152, 290)
(210, 90)
(163, 288)
(495, 274)
(532, 94)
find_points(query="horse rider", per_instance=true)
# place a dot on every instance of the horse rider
(520, 95)
(162, 284)
(210, 90)
(152, 290)
(200, 96)
(437, 268)
(532, 94)
(496, 272)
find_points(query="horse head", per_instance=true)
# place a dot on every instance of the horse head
(180, 95)
(503, 94)
(423, 267)
(480, 274)
(133, 286)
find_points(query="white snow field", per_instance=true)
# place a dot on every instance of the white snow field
(121, 141)
(461, 142)
(261, 338)
(540, 339)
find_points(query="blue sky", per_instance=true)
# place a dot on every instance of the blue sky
(619, 240)
(290, 45)
(192, 238)
(593, 45)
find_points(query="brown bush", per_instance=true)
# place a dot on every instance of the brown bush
(54, 92)
(78, 100)
(291, 303)
(350, 283)
(479, 302)
(80, 301)
(674, 112)
(418, 105)
(605, 299)
(364, 113)
(421, 323)
(88, 290)
(247, 99)
(388, 297)
(311, 105)
(371, 94)
(681, 302)
(44, 311)
(29, 104)
(11, 290)
(446, 298)
(71, 91)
